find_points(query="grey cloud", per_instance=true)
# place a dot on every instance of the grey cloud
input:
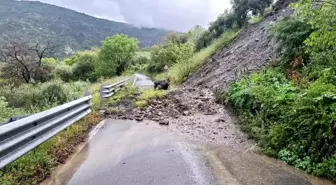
(179, 15)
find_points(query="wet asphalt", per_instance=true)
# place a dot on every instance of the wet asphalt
(130, 153)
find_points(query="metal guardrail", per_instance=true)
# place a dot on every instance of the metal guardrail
(19, 137)
(22, 134)
(107, 91)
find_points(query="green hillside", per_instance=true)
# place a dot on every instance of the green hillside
(70, 30)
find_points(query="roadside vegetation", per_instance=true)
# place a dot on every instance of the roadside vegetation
(290, 107)
(48, 83)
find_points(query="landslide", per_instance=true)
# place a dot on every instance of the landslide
(249, 52)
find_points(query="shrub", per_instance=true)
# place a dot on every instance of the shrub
(290, 35)
(181, 70)
(292, 123)
(84, 70)
(42, 96)
(6, 111)
(64, 72)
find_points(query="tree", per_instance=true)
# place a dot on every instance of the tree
(23, 61)
(84, 64)
(169, 54)
(321, 15)
(115, 54)
(242, 8)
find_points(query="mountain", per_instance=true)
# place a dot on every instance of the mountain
(70, 30)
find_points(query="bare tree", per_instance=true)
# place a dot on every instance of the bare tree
(23, 60)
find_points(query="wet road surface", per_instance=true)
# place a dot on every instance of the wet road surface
(130, 153)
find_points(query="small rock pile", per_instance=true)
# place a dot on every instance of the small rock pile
(176, 104)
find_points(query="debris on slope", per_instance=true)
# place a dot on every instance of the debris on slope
(249, 52)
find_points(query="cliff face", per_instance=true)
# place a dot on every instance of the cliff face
(249, 52)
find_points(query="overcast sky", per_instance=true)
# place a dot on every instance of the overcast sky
(177, 15)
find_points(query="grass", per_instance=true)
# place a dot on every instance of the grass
(140, 104)
(148, 95)
(153, 94)
(38, 164)
(124, 93)
(180, 71)
(256, 19)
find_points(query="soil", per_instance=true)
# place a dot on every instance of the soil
(249, 52)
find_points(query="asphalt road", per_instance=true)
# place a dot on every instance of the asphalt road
(130, 153)
(143, 82)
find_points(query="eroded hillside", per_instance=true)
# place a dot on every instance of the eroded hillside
(249, 52)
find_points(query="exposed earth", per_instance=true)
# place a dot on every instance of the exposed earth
(249, 52)
(192, 111)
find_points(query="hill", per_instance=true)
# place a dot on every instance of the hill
(249, 52)
(72, 31)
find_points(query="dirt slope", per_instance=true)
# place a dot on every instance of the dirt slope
(249, 52)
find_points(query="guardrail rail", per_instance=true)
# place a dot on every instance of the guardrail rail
(107, 91)
(18, 137)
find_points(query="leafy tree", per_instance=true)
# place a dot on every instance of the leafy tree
(171, 53)
(49, 61)
(224, 22)
(242, 8)
(321, 15)
(84, 65)
(115, 54)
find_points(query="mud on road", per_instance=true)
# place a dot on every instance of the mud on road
(194, 114)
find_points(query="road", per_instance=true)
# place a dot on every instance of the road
(123, 152)
(131, 153)
(143, 82)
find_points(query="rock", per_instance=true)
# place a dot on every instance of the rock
(160, 113)
(156, 119)
(220, 120)
(164, 122)
(122, 117)
(207, 113)
(185, 113)
(139, 118)
(102, 112)
(257, 40)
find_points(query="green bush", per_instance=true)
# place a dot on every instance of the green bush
(42, 96)
(179, 72)
(6, 111)
(84, 70)
(295, 124)
(290, 35)
(64, 72)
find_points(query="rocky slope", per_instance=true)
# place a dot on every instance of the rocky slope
(249, 52)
